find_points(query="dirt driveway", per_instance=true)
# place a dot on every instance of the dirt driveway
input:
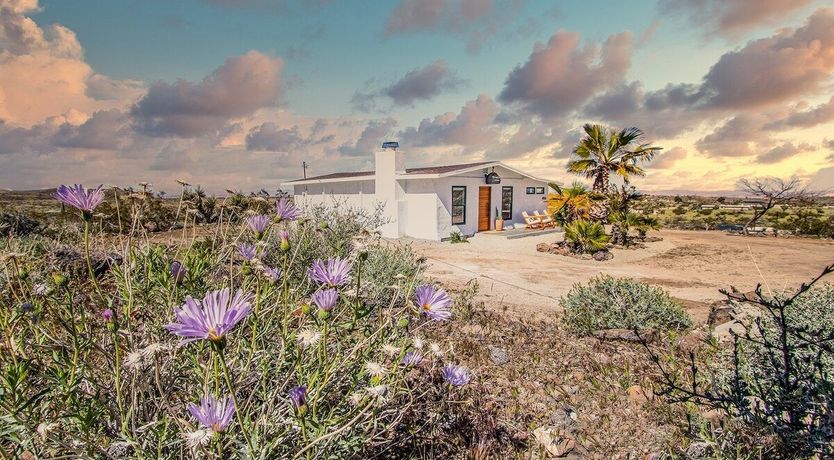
(691, 265)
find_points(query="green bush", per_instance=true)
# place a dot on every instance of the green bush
(621, 303)
(584, 236)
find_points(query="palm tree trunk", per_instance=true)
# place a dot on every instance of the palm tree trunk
(616, 235)
(601, 181)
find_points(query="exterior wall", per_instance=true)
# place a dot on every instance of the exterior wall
(422, 208)
(356, 194)
(430, 202)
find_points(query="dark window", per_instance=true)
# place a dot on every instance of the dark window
(507, 203)
(458, 205)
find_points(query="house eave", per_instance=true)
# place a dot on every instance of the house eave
(328, 181)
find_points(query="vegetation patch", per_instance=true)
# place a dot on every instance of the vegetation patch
(606, 302)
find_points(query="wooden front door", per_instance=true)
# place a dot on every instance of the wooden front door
(484, 203)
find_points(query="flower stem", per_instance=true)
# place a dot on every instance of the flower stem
(119, 378)
(89, 258)
(228, 379)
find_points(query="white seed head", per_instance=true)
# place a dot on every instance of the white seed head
(435, 348)
(378, 391)
(134, 360)
(198, 438)
(375, 369)
(390, 350)
(308, 337)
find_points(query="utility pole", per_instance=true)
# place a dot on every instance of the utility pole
(304, 166)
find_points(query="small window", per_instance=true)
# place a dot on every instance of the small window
(507, 203)
(539, 190)
(458, 205)
(531, 190)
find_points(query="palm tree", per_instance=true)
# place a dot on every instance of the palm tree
(601, 152)
(570, 203)
(585, 236)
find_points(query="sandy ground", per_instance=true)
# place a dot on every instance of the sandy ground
(691, 265)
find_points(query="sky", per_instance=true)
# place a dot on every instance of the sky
(236, 94)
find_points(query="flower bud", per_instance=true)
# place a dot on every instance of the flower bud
(59, 279)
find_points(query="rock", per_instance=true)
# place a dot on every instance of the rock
(693, 340)
(74, 263)
(627, 335)
(698, 450)
(713, 415)
(553, 443)
(564, 417)
(639, 395)
(720, 313)
(498, 356)
(543, 247)
(603, 255)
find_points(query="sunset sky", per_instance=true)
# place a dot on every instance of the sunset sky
(237, 93)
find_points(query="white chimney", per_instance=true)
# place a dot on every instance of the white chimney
(389, 162)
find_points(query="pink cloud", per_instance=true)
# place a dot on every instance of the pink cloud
(732, 17)
(562, 75)
(239, 87)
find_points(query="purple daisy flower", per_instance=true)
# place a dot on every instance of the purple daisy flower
(335, 272)
(412, 358)
(298, 396)
(107, 314)
(456, 375)
(178, 271)
(286, 209)
(247, 251)
(85, 200)
(326, 299)
(212, 413)
(272, 274)
(258, 224)
(434, 302)
(212, 317)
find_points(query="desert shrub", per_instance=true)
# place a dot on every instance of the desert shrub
(584, 236)
(776, 380)
(458, 237)
(390, 272)
(125, 211)
(12, 224)
(465, 306)
(91, 367)
(621, 303)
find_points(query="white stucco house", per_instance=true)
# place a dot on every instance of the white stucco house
(431, 202)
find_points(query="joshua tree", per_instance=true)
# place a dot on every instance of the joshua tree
(601, 152)
(570, 203)
(773, 191)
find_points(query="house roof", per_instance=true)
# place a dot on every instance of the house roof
(410, 173)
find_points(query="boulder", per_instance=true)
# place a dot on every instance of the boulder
(639, 395)
(498, 356)
(720, 313)
(604, 255)
(627, 335)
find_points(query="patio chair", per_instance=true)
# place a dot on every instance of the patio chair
(546, 220)
(531, 221)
